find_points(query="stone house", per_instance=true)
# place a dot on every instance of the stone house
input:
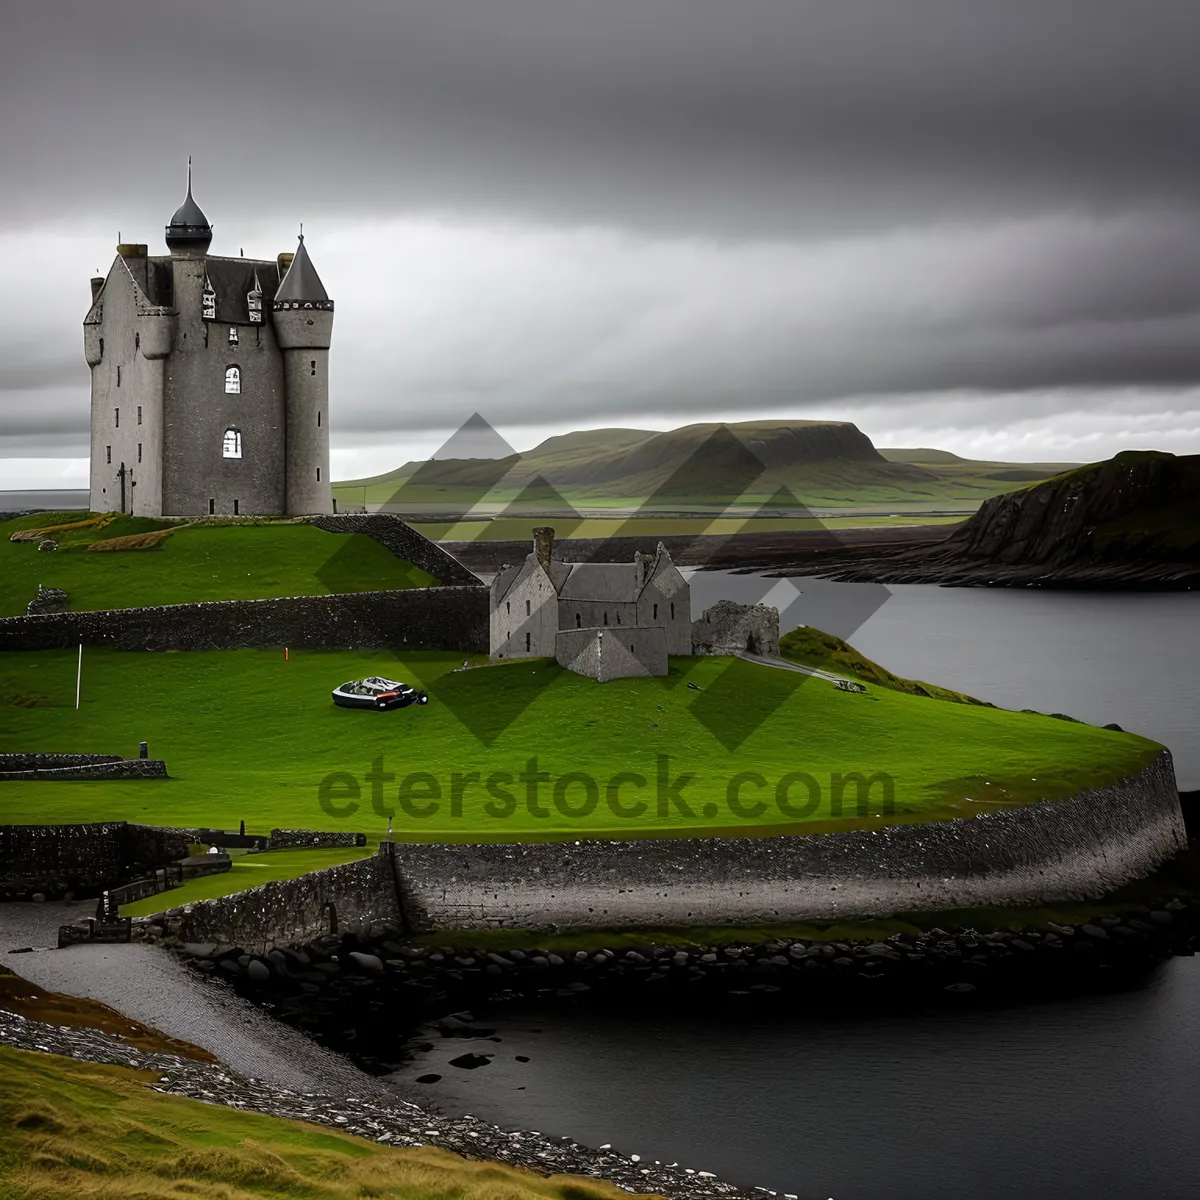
(606, 620)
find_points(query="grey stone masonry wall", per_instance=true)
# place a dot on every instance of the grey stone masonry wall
(446, 618)
(112, 768)
(53, 859)
(1069, 849)
(290, 911)
(404, 542)
(314, 839)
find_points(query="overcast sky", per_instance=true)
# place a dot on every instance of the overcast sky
(969, 225)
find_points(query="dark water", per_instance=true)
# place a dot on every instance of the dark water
(1096, 1098)
(1088, 1099)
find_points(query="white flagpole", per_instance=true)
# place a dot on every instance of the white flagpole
(79, 675)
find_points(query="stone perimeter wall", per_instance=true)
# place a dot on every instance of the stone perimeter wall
(444, 618)
(79, 766)
(1069, 849)
(404, 542)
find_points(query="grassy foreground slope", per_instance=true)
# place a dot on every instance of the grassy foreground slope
(249, 736)
(80, 1131)
(196, 562)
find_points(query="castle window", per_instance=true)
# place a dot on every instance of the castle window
(139, 414)
(118, 375)
(116, 418)
(578, 621)
(672, 610)
(139, 451)
(212, 507)
(108, 454)
(606, 618)
(233, 335)
(231, 444)
(656, 612)
(137, 340)
(101, 347)
(312, 366)
(318, 418)
(254, 303)
(209, 300)
(236, 503)
(527, 643)
(508, 607)
(233, 381)
(527, 608)
(318, 474)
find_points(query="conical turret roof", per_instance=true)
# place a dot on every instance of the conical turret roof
(302, 284)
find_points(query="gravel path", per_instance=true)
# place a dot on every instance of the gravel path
(150, 985)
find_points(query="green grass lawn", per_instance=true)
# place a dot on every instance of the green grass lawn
(248, 736)
(247, 871)
(196, 562)
(81, 1131)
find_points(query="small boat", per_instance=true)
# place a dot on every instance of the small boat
(378, 693)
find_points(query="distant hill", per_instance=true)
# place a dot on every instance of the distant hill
(822, 464)
(921, 454)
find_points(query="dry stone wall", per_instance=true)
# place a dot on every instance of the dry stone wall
(404, 542)
(445, 618)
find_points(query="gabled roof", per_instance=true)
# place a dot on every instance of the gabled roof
(612, 582)
(302, 283)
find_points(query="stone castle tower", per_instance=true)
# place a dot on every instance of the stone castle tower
(210, 380)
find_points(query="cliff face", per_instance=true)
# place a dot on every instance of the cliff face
(1135, 505)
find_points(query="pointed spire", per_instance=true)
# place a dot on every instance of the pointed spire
(189, 230)
(302, 285)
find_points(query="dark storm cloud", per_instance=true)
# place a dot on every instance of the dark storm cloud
(699, 115)
(811, 200)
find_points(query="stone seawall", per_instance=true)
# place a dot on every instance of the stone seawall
(353, 895)
(1069, 849)
(444, 618)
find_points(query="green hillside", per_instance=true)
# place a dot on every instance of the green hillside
(249, 736)
(188, 563)
(83, 1131)
(697, 468)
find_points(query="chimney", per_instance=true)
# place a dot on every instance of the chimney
(97, 284)
(282, 262)
(543, 545)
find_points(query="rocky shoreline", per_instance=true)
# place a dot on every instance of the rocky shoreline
(390, 1123)
(370, 997)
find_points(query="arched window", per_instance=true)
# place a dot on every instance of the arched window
(231, 444)
(233, 381)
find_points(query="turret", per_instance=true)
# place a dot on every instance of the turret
(303, 320)
(189, 234)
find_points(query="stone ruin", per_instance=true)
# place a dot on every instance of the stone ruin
(731, 628)
(47, 600)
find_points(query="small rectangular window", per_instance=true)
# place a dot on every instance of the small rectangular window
(527, 643)
(312, 366)
(108, 454)
(318, 474)
(527, 608)
(318, 418)
(137, 341)
(236, 503)
(212, 507)
(139, 451)
(118, 375)
(116, 418)
(233, 335)
(139, 414)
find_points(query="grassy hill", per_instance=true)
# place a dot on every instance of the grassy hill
(248, 736)
(182, 564)
(84, 1131)
(702, 467)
